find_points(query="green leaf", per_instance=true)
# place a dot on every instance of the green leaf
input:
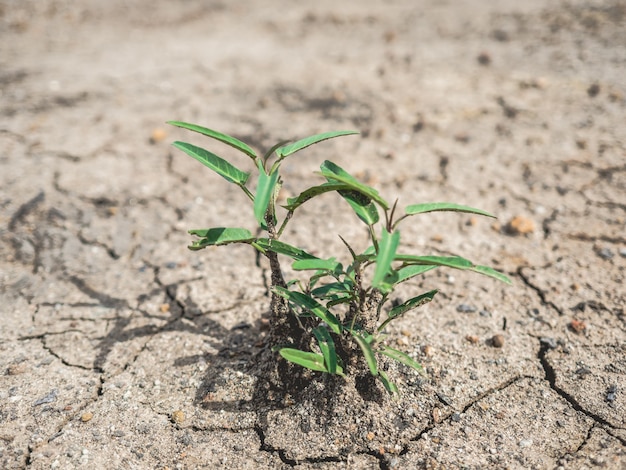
(309, 303)
(327, 346)
(406, 306)
(295, 202)
(396, 276)
(264, 192)
(228, 140)
(215, 163)
(362, 205)
(334, 172)
(487, 271)
(306, 359)
(402, 358)
(282, 248)
(388, 384)
(443, 206)
(220, 236)
(333, 288)
(269, 153)
(412, 303)
(449, 261)
(287, 150)
(407, 272)
(368, 352)
(317, 264)
(387, 247)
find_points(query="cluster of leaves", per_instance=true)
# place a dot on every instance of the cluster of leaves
(331, 286)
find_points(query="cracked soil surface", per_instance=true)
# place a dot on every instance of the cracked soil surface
(121, 349)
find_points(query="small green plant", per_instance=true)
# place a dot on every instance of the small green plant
(322, 324)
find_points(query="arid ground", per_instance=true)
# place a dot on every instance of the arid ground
(119, 348)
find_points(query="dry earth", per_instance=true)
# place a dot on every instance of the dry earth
(121, 349)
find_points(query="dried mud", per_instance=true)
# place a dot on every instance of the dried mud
(121, 349)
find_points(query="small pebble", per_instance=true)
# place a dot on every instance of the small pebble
(622, 252)
(497, 341)
(526, 443)
(370, 436)
(472, 339)
(16, 369)
(611, 393)
(550, 343)
(605, 253)
(577, 326)
(465, 308)
(178, 417)
(49, 398)
(158, 135)
(484, 58)
(88, 416)
(593, 90)
(456, 417)
(520, 225)
(583, 371)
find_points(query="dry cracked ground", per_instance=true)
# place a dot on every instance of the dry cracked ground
(121, 349)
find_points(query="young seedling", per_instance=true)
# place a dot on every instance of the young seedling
(323, 323)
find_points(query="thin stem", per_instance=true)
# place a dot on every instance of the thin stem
(390, 219)
(247, 191)
(373, 237)
(398, 221)
(284, 224)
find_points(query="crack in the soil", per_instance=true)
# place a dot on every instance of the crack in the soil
(60, 429)
(466, 407)
(20, 214)
(550, 376)
(583, 237)
(264, 447)
(110, 251)
(540, 293)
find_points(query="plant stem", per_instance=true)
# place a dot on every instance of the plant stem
(284, 224)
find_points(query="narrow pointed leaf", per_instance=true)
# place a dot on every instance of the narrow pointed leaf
(333, 288)
(362, 205)
(264, 192)
(388, 384)
(412, 303)
(282, 248)
(327, 346)
(368, 352)
(306, 359)
(443, 206)
(487, 271)
(220, 236)
(396, 276)
(333, 172)
(317, 264)
(407, 272)
(295, 202)
(269, 153)
(310, 304)
(215, 163)
(387, 247)
(228, 140)
(402, 358)
(449, 261)
(307, 141)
